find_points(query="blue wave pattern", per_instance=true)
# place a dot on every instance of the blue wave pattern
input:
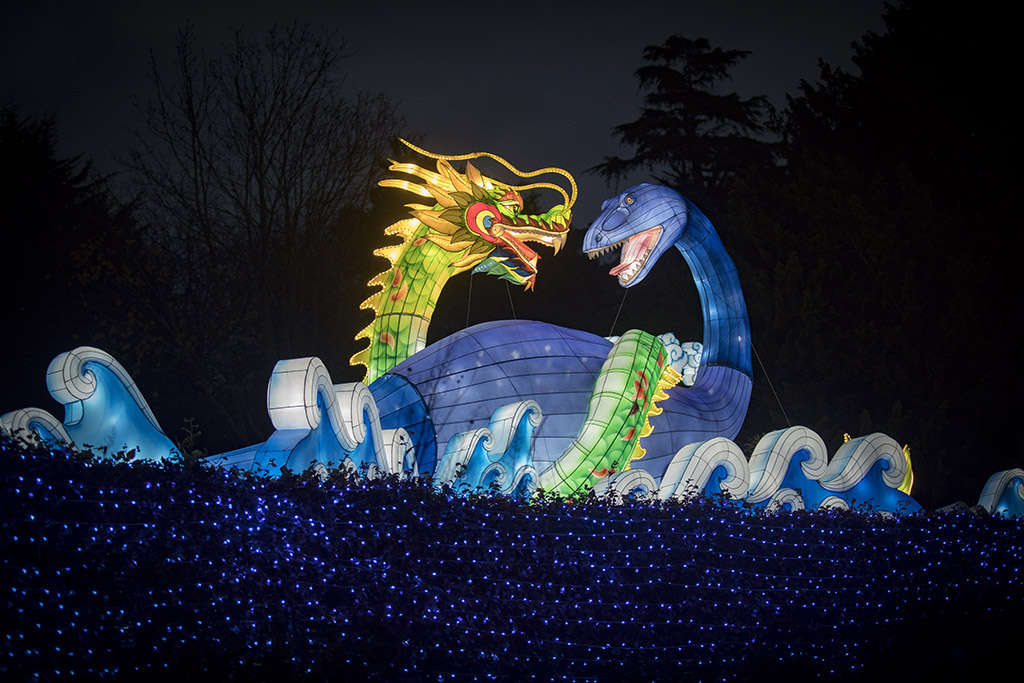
(321, 424)
(1004, 493)
(103, 409)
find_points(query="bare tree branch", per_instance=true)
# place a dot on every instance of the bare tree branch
(250, 168)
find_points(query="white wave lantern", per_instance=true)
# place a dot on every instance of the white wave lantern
(694, 465)
(870, 472)
(498, 455)
(103, 408)
(34, 426)
(1003, 493)
(786, 499)
(770, 462)
(856, 457)
(317, 421)
(634, 483)
(833, 503)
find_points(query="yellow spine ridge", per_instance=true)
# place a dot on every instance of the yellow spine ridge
(361, 358)
(370, 303)
(670, 377)
(405, 227)
(908, 478)
(637, 453)
(392, 253)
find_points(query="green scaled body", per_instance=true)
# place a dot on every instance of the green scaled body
(406, 302)
(634, 376)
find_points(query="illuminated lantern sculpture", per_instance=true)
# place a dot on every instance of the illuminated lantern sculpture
(1004, 493)
(604, 404)
(458, 222)
(103, 409)
(473, 223)
(515, 405)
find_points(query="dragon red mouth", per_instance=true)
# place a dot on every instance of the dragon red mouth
(511, 238)
(549, 234)
(518, 251)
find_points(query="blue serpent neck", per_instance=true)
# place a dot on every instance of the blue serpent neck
(726, 327)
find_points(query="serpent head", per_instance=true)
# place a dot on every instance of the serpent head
(644, 221)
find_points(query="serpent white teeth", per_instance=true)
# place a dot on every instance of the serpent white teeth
(601, 251)
(630, 272)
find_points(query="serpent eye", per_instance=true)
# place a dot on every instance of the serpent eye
(629, 199)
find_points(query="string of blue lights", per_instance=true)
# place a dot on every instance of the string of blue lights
(171, 570)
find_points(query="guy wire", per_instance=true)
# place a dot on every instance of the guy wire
(616, 321)
(775, 393)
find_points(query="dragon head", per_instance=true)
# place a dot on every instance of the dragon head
(468, 221)
(644, 221)
(481, 220)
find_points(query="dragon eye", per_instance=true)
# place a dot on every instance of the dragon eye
(629, 199)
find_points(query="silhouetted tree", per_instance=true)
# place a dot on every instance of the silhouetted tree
(689, 135)
(54, 211)
(928, 92)
(874, 262)
(254, 171)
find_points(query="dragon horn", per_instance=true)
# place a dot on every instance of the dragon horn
(474, 175)
(453, 177)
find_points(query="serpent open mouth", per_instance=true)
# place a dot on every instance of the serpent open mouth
(636, 249)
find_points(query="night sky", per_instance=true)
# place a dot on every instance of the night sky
(539, 83)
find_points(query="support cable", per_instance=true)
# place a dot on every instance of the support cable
(775, 393)
(469, 298)
(615, 322)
